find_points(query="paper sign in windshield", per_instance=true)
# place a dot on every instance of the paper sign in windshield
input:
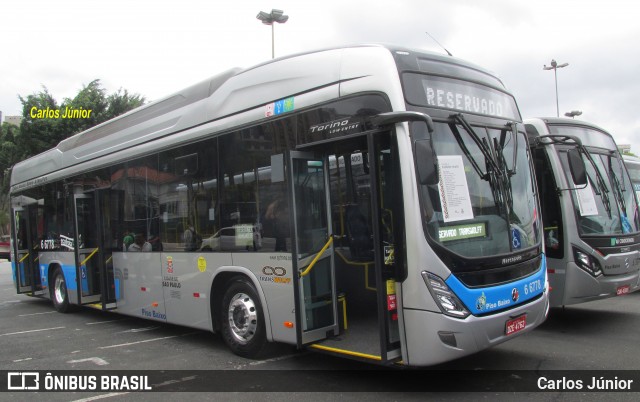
(448, 233)
(453, 189)
(587, 201)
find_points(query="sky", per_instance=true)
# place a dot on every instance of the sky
(157, 47)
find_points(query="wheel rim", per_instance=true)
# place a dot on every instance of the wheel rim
(243, 318)
(59, 289)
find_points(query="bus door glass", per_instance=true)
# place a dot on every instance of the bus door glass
(110, 213)
(26, 248)
(313, 249)
(87, 251)
(387, 221)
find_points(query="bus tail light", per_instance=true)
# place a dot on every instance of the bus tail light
(444, 297)
(586, 262)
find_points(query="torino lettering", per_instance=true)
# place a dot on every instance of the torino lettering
(463, 102)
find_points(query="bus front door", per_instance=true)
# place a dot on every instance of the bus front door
(92, 254)
(26, 247)
(313, 259)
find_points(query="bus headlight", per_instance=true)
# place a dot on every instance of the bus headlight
(586, 262)
(444, 297)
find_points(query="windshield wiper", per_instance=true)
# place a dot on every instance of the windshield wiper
(506, 173)
(619, 188)
(493, 175)
(503, 136)
(604, 191)
(481, 143)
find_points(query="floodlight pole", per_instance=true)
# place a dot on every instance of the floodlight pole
(555, 66)
(270, 19)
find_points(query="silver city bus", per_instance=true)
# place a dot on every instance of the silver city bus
(589, 211)
(367, 201)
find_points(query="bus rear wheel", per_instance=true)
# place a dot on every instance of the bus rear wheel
(59, 294)
(242, 320)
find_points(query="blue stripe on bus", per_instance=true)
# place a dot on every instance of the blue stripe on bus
(13, 271)
(69, 272)
(489, 299)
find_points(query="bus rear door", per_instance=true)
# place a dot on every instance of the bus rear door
(26, 248)
(94, 267)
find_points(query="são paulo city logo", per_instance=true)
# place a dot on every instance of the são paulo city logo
(481, 302)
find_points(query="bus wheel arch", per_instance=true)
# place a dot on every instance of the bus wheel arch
(238, 312)
(58, 289)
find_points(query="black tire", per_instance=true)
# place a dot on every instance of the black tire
(58, 292)
(242, 318)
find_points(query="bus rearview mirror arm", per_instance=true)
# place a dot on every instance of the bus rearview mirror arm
(425, 159)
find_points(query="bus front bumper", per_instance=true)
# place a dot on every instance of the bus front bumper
(434, 338)
(582, 287)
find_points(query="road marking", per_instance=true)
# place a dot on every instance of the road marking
(23, 360)
(147, 340)
(33, 330)
(46, 312)
(170, 382)
(162, 384)
(104, 322)
(11, 301)
(103, 396)
(274, 359)
(96, 360)
(139, 330)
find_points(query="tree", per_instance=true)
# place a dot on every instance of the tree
(121, 102)
(39, 132)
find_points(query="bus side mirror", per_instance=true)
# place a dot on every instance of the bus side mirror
(577, 168)
(426, 163)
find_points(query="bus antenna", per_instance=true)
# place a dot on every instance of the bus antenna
(439, 44)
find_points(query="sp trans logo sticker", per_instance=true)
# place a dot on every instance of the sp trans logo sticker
(274, 275)
(481, 302)
(279, 107)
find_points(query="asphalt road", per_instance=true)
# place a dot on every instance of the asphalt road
(596, 336)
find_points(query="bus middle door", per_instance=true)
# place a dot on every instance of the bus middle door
(315, 286)
(88, 251)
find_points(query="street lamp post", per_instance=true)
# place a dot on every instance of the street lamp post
(270, 19)
(555, 66)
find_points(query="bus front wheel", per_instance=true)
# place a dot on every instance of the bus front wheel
(242, 320)
(59, 293)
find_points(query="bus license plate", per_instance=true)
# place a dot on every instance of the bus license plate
(516, 325)
(623, 290)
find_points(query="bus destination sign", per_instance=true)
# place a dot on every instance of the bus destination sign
(459, 96)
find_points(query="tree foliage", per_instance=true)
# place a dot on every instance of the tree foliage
(37, 134)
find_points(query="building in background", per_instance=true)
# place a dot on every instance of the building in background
(15, 120)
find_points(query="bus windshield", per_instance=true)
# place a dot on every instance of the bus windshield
(484, 203)
(606, 207)
(633, 167)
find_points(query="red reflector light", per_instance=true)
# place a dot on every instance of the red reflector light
(196, 294)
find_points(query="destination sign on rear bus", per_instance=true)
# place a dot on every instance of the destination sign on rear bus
(459, 96)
